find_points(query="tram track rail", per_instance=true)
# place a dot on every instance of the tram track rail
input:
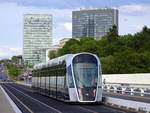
(83, 108)
(18, 100)
(91, 110)
(79, 107)
(60, 107)
(32, 99)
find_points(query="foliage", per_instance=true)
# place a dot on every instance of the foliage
(52, 54)
(112, 34)
(118, 54)
(13, 70)
(14, 59)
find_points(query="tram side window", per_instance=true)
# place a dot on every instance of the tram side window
(71, 85)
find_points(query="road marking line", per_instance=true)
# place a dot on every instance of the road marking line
(88, 109)
(14, 106)
(21, 86)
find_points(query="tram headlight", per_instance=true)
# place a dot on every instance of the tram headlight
(79, 91)
(94, 92)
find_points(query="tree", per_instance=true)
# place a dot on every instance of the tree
(52, 54)
(85, 39)
(107, 65)
(146, 30)
(75, 48)
(89, 46)
(112, 34)
(71, 42)
(118, 54)
(14, 58)
(68, 47)
(13, 70)
(126, 61)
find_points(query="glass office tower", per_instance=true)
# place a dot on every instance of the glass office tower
(93, 22)
(37, 37)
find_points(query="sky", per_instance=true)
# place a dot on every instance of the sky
(133, 15)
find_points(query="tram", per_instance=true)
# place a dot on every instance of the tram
(70, 78)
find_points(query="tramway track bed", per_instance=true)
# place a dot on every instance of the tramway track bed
(58, 105)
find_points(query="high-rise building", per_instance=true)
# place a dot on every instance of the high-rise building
(94, 22)
(37, 37)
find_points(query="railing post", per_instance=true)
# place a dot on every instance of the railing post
(142, 92)
(132, 90)
(103, 86)
(108, 88)
(115, 89)
(123, 90)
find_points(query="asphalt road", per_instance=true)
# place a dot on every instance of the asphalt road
(29, 102)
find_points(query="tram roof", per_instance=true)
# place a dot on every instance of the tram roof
(52, 62)
(57, 61)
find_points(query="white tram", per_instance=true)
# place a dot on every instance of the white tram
(71, 78)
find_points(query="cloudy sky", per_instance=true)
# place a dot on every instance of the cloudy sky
(133, 15)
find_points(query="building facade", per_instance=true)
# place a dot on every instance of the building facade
(93, 22)
(63, 41)
(37, 37)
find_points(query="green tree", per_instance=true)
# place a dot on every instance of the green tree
(89, 46)
(118, 54)
(13, 70)
(67, 49)
(107, 64)
(14, 59)
(146, 30)
(52, 54)
(145, 34)
(126, 61)
(85, 39)
(75, 48)
(112, 34)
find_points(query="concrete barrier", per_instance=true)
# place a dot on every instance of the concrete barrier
(138, 106)
(141, 79)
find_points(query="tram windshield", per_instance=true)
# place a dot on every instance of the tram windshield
(85, 71)
(85, 74)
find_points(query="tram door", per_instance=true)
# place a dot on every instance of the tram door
(66, 86)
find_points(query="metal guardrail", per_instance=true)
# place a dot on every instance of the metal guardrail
(128, 104)
(126, 89)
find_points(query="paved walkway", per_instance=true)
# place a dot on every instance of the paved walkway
(5, 106)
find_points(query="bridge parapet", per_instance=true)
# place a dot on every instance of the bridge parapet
(126, 89)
